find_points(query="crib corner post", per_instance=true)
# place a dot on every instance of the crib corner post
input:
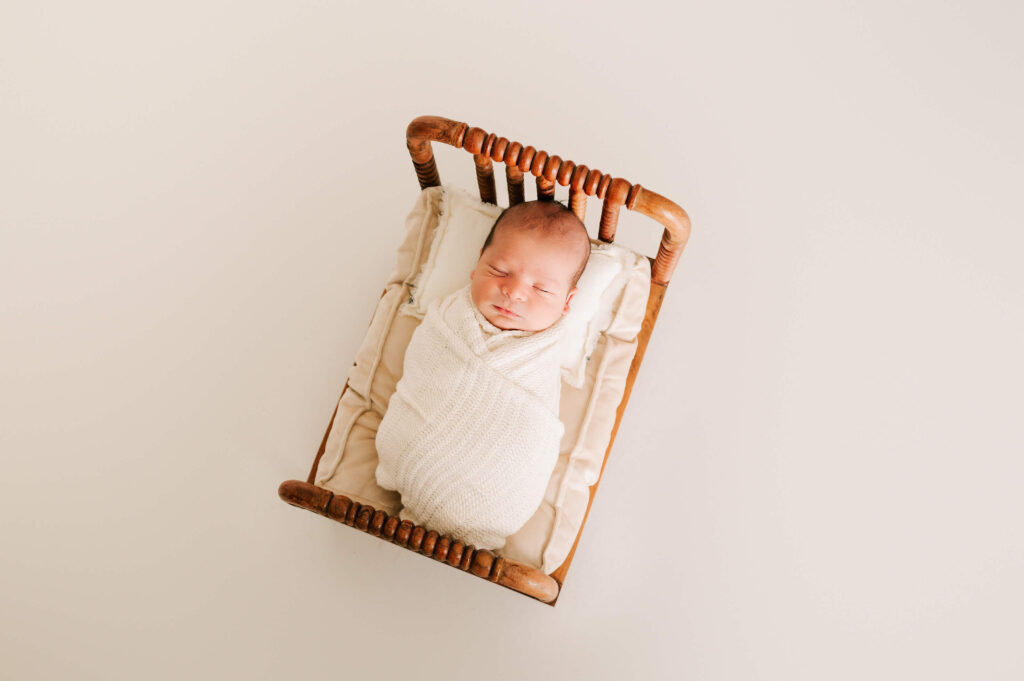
(418, 136)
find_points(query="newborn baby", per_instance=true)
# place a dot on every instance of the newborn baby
(471, 434)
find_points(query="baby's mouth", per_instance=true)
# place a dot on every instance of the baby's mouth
(505, 311)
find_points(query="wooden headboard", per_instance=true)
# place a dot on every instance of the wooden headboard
(549, 169)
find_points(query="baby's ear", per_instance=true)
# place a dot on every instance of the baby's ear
(471, 275)
(572, 292)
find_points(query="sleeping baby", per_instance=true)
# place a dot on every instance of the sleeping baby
(471, 433)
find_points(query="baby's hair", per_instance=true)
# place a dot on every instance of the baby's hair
(553, 218)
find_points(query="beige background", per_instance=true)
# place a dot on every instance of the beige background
(819, 475)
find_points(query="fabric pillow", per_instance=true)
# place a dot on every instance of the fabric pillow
(598, 291)
(462, 228)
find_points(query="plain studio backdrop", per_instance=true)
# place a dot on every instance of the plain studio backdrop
(819, 475)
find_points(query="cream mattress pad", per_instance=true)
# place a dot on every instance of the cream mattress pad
(588, 411)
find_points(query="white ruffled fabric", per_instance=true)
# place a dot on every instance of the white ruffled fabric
(471, 434)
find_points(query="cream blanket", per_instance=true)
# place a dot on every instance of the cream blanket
(471, 434)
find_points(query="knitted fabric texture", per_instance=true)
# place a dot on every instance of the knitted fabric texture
(471, 434)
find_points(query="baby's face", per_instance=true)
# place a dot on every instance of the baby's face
(522, 280)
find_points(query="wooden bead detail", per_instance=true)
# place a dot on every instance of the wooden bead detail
(565, 170)
(474, 140)
(338, 509)
(602, 188)
(511, 157)
(403, 532)
(497, 568)
(351, 514)
(593, 179)
(537, 165)
(634, 191)
(377, 522)
(485, 178)
(488, 145)
(441, 548)
(579, 177)
(467, 557)
(454, 557)
(550, 169)
(481, 564)
(429, 539)
(498, 150)
(362, 521)
(416, 538)
(455, 553)
(526, 158)
(514, 180)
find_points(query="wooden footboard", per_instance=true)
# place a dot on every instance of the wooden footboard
(485, 564)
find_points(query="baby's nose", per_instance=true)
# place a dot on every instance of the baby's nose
(515, 289)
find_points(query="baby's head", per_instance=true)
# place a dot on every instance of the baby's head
(529, 266)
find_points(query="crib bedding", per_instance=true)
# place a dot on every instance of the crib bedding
(588, 410)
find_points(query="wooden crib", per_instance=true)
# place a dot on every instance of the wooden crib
(548, 170)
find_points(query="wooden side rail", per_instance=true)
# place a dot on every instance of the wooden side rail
(480, 562)
(654, 300)
(549, 169)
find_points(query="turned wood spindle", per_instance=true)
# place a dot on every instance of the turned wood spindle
(615, 198)
(545, 190)
(514, 179)
(577, 195)
(423, 162)
(485, 179)
(578, 204)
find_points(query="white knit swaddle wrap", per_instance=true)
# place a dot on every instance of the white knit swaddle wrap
(471, 434)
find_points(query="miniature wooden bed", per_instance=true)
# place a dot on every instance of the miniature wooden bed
(548, 170)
